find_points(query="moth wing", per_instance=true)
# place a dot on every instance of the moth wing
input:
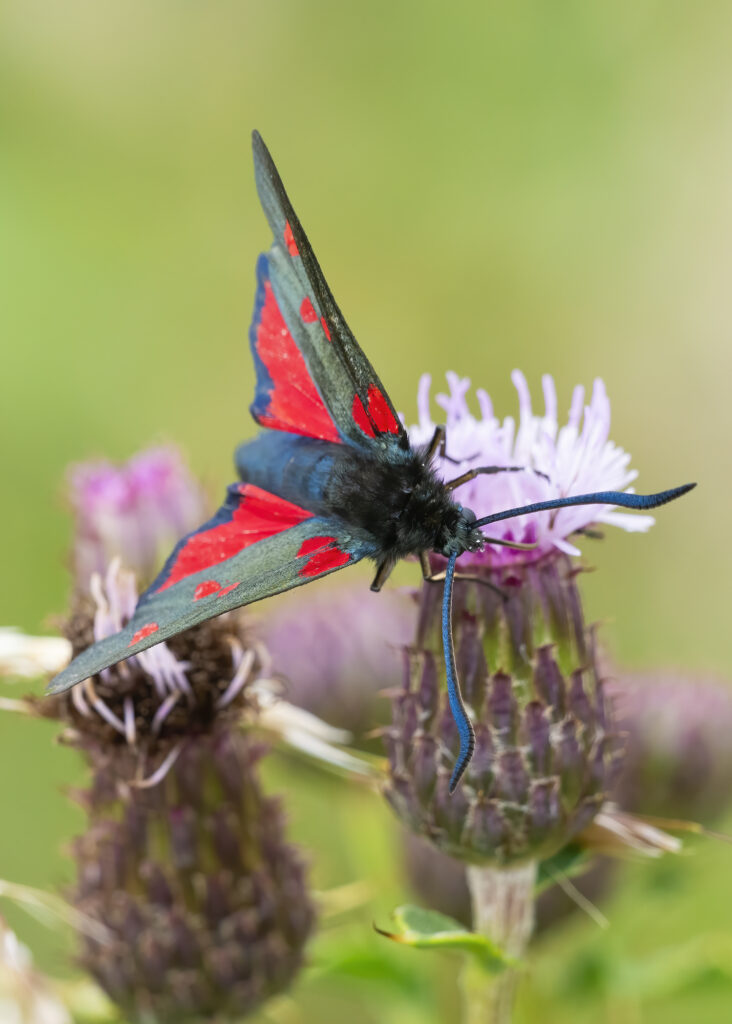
(255, 546)
(293, 294)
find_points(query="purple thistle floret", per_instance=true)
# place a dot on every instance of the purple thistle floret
(136, 510)
(575, 458)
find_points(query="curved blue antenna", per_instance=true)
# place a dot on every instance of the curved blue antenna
(465, 729)
(639, 501)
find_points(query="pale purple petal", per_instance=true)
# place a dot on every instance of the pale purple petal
(577, 457)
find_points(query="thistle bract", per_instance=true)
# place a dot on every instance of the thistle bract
(545, 753)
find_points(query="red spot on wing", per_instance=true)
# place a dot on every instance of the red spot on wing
(326, 330)
(378, 417)
(380, 414)
(257, 516)
(360, 417)
(307, 311)
(206, 589)
(144, 631)
(327, 555)
(290, 240)
(294, 402)
(314, 544)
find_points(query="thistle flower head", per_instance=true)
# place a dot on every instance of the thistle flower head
(545, 750)
(575, 458)
(164, 694)
(136, 510)
(184, 861)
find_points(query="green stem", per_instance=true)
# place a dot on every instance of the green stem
(503, 910)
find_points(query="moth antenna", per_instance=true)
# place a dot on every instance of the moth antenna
(457, 707)
(637, 501)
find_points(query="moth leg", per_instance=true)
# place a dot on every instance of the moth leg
(438, 577)
(437, 444)
(587, 531)
(383, 573)
(471, 474)
(517, 545)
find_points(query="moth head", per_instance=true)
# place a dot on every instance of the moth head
(459, 533)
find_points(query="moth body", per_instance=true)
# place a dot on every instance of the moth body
(397, 506)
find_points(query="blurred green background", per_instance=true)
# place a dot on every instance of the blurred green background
(487, 186)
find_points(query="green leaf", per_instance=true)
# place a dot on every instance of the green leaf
(426, 929)
(571, 860)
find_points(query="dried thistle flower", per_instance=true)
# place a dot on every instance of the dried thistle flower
(185, 860)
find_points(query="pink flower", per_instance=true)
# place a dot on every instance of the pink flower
(135, 511)
(572, 459)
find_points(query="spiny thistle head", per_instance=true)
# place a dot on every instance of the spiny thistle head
(546, 752)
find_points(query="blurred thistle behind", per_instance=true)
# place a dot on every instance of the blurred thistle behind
(338, 649)
(184, 861)
(678, 755)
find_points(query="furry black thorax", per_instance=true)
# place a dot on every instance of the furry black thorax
(402, 504)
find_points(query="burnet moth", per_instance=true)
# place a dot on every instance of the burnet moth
(330, 480)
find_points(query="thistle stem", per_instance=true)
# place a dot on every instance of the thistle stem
(503, 910)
